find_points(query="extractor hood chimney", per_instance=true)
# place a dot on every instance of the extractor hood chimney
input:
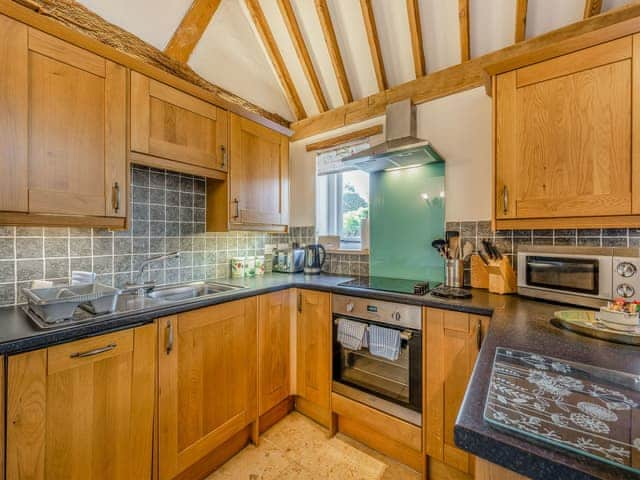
(401, 148)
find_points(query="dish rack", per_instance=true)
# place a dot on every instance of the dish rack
(53, 305)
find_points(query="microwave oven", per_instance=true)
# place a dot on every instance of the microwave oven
(585, 276)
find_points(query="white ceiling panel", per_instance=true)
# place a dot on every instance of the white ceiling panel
(491, 26)
(440, 33)
(546, 15)
(229, 55)
(395, 40)
(143, 18)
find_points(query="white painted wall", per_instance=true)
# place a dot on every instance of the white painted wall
(459, 126)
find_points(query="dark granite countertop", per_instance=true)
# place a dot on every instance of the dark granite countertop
(517, 323)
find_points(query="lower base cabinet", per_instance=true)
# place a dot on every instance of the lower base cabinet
(451, 342)
(207, 382)
(83, 410)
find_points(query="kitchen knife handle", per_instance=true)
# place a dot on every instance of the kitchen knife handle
(223, 151)
(505, 200)
(115, 197)
(169, 337)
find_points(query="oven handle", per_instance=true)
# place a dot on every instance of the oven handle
(404, 334)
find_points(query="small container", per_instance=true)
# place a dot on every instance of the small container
(618, 320)
(454, 272)
(249, 266)
(237, 267)
(260, 264)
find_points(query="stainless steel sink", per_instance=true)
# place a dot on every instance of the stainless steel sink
(175, 293)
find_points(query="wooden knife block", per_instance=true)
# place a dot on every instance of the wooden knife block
(502, 278)
(479, 272)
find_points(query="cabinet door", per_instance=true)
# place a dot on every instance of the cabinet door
(79, 410)
(168, 123)
(77, 130)
(563, 135)
(451, 344)
(207, 381)
(259, 174)
(274, 317)
(314, 349)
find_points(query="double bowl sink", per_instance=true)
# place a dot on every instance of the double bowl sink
(180, 292)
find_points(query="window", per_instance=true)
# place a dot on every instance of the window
(342, 196)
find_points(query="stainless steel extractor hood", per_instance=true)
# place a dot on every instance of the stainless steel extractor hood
(401, 148)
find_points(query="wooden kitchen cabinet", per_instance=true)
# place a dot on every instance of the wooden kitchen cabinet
(274, 334)
(63, 135)
(314, 354)
(451, 343)
(83, 410)
(256, 194)
(207, 378)
(181, 131)
(563, 140)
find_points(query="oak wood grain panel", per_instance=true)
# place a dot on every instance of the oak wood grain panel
(191, 28)
(176, 97)
(486, 470)
(67, 140)
(14, 116)
(463, 20)
(313, 331)
(330, 39)
(347, 137)
(603, 54)
(402, 432)
(505, 145)
(289, 17)
(207, 382)
(521, 20)
(181, 167)
(115, 155)
(20, 218)
(592, 7)
(62, 51)
(415, 29)
(140, 112)
(614, 221)
(374, 43)
(574, 144)
(26, 412)
(635, 126)
(273, 349)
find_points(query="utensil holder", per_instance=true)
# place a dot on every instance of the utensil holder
(502, 278)
(454, 272)
(479, 273)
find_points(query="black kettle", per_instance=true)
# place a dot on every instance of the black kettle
(314, 257)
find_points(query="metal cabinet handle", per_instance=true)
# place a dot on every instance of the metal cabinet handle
(223, 150)
(237, 202)
(505, 199)
(169, 341)
(479, 334)
(115, 197)
(93, 352)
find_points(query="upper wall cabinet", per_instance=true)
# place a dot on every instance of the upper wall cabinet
(62, 130)
(563, 140)
(172, 125)
(257, 190)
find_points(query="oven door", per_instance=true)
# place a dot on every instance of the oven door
(394, 387)
(588, 276)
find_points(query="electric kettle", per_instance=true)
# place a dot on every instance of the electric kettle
(314, 257)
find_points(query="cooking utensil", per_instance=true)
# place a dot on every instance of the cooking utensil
(483, 257)
(467, 250)
(454, 246)
(440, 245)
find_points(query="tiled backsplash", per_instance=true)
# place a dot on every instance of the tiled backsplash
(168, 214)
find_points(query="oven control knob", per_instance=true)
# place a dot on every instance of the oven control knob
(396, 316)
(625, 290)
(350, 307)
(626, 269)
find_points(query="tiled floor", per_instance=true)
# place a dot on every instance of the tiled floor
(297, 448)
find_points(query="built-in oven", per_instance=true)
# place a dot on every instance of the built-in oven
(393, 386)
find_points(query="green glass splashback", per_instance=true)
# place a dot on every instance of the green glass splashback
(403, 223)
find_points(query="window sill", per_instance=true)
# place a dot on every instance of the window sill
(351, 251)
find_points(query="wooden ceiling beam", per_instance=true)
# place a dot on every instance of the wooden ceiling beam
(345, 138)
(334, 51)
(592, 7)
(277, 61)
(374, 43)
(463, 18)
(289, 17)
(586, 33)
(413, 13)
(521, 20)
(191, 28)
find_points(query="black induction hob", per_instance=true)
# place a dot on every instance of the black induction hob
(397, 285)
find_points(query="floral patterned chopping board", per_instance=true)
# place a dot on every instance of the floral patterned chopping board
(585, 409)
